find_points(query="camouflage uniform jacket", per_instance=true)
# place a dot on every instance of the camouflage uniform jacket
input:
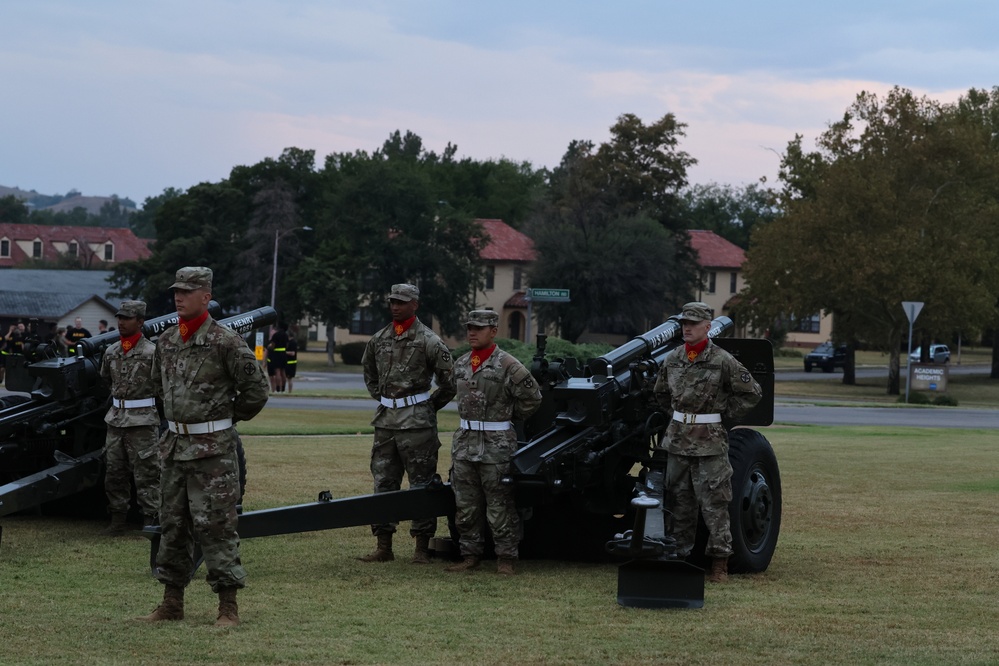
(714, 383)
(130, 377)
(501, 390)
(400, 366)
(212, 376)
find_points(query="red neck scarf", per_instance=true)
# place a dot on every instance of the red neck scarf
(479, 356)
(693, 351)
(401, 327)
(189, 327)
(128, 344)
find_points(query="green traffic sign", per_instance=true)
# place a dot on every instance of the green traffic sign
(549, 295)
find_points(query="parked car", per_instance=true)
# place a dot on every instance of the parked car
(827, 357)
(938, 354)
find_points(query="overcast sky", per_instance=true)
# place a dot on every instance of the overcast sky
(130, 98)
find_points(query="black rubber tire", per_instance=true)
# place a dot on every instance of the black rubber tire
(828, 368)
(756, 501)
(808, 367)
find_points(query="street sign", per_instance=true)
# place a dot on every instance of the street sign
(548, 295)
(912, 310)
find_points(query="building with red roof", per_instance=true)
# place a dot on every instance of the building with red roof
(28, 245)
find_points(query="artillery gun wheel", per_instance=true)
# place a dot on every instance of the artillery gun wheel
(756, 501)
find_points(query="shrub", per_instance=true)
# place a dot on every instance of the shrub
(351, 352)
(945, 400)
(915, 398)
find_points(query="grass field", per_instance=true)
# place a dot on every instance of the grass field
(887, 555)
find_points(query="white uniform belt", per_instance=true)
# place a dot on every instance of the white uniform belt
(406, 401)
(484, 425)
(205, 428)
(132, 404)
(692, 419)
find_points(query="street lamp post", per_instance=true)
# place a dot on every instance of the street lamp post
(278, 235)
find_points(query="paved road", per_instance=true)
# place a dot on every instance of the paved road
(785, 411)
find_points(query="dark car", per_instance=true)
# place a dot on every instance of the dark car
(827, 357)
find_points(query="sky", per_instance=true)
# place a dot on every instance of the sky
(130, 98)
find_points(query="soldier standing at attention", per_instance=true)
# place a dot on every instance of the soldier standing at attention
(493, 389)
(131, 450)
(699, 385)
(208, 379)
(399, 363)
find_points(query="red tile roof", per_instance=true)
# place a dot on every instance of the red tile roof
(127, 246)
(506, 243)
(713, 251)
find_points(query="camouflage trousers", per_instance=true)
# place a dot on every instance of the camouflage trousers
(199, 506)
(480, 498)
(413, 452)
(132, 453)
(705, 483)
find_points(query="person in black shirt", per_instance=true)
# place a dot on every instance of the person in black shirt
(75, 333)
(276, 353)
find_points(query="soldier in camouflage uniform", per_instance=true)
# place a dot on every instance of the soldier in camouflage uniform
(701, 384)
(207, 379)
(399, 363)
(130, 450)
(494, 388)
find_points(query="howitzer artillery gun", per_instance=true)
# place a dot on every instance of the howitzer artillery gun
(589, 451)
(51, 439)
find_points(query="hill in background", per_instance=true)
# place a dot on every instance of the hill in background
(73, 199)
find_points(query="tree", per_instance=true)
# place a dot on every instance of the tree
(608, 229)
(13, 210)
(730, 212)
(892, 207)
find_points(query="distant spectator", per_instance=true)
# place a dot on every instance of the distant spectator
(102, 326)
(75, 333)
(60, 341)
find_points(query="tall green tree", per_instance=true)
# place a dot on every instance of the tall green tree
(13, 210)
(896, 204)
(609, 230)
(731, 212)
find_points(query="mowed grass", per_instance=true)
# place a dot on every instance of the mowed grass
(888, 555)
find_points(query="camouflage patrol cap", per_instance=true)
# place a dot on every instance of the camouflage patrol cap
(193, 277)
(132, 310)
(404, 292)
(482, 318)
(696, 311)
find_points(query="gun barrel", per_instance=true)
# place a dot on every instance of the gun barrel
(654, 343)
(150, 328)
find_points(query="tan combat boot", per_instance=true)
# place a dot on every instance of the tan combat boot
(719, 570)
(228, 610)
(383, 552)
(470, 562)
(118, 526)
(172, 607)
(504, 566)
(421, 555)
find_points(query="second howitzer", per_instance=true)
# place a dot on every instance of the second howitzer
(592, 447)
(52, 438)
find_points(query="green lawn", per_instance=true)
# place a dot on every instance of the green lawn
(887, 555)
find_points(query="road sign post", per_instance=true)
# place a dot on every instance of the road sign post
(912, 309)
(542, 296)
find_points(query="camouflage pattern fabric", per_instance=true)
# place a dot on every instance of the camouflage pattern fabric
(700, 483)
(404, 365)
(199, 505)
(485, 499)
(715, 383)
(698, 472)
(132, 453)
(413, 452)
(212, 376)
(502, 389)
(406, 437)
(130, 450)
